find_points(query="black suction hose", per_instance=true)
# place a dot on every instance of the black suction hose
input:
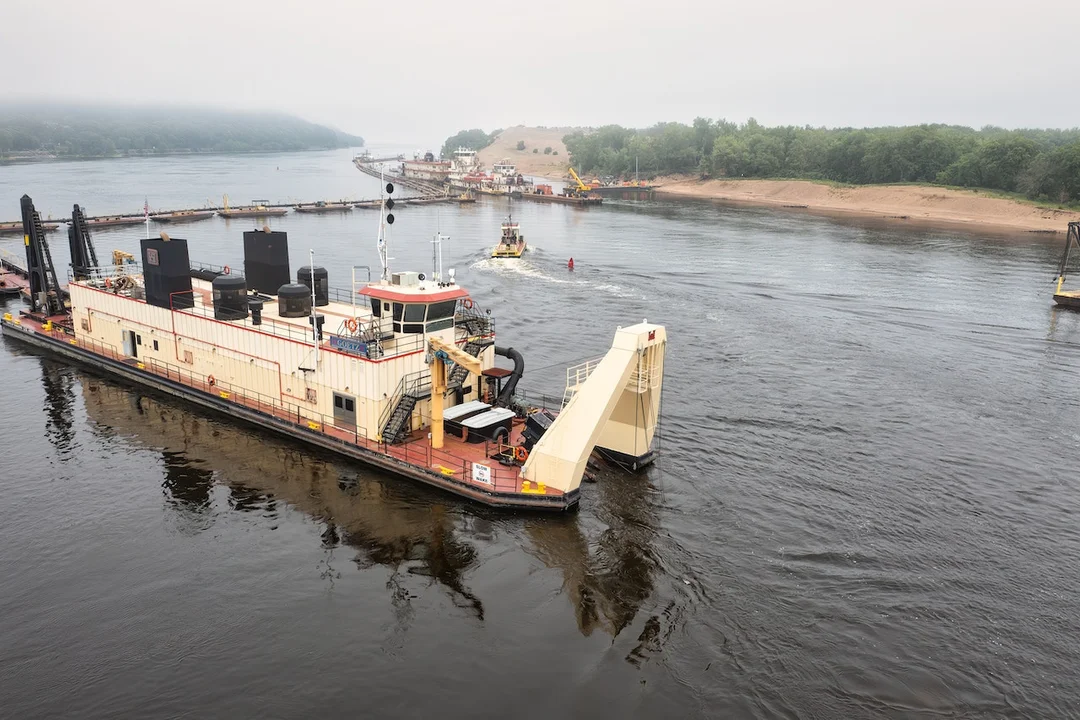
(511, 384)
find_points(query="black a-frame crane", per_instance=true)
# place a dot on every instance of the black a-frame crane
(46, 295)
(1068, 298)
(83, 255)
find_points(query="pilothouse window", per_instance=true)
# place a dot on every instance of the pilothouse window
(441, 310)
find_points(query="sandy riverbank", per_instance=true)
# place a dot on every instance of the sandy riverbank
(528, 162)
(902, 202)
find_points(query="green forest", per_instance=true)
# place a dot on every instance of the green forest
(1041, 164)
(475, 139)
(32, 131)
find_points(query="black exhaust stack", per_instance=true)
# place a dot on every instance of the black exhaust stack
(167, 272)
(266, 260)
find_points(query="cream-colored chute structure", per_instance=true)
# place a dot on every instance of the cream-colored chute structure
(615, 408)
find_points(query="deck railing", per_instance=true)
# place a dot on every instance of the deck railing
(417, 453)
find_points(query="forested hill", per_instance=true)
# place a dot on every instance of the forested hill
(1042, 164)
(30, 131)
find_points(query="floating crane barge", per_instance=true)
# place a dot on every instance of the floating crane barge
(1068, 298)
(399, 373)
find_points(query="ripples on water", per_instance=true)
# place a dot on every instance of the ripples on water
(865, 505)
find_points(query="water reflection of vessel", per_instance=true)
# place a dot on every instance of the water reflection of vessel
(606, 581)
(406, 380)
(606, 578)
(364, 515)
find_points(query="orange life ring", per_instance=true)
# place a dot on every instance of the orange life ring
(108, 282)
(226, 270)
(351, 325)
(210, 380)
(468, 303)
(521, 454)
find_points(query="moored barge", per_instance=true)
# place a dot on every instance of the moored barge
(181, 216)
(399, 373)
(258, 208)
(321, 207)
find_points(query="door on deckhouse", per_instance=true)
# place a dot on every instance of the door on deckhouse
(344, 410)
(131, 343)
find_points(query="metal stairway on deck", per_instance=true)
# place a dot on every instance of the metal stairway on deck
(396, 421)
(458, 374)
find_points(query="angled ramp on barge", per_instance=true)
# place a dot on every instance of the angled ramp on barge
(616, 409)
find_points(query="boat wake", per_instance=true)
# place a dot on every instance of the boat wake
(508, 267)
(579, 279)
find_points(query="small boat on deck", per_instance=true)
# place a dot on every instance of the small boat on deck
(1068, 298)
(183, 216)
(512, 242)
(323, 207)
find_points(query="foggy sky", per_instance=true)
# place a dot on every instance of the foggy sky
(419, 70)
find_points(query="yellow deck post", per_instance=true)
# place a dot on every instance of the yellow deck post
(438, 396)
(438, 381)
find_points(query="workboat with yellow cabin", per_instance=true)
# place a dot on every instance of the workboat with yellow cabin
(399, 373)
(1068, 298)
(511, 243)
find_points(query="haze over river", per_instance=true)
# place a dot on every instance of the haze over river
(867, 503)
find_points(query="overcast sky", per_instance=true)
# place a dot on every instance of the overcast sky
(419, 70)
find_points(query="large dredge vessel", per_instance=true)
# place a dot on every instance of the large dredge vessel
(399, 373)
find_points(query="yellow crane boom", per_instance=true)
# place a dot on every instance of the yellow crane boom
(442, 353)
(580, 185)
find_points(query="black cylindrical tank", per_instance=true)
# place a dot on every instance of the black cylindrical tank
(294, 300)
(317, 275)
(230, 297)
(256, 308)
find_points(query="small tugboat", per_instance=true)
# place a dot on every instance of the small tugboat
(1068, 298)
(323, 207)
(512, 242)
(183, 216)
(399, 373)
(258, 208)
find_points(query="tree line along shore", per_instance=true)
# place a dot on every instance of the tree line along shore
(32, 133)
(1020, 179)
